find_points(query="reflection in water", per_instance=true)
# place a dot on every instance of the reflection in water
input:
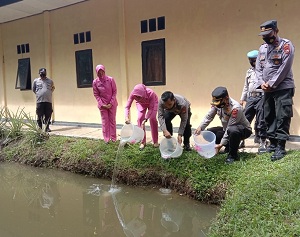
(41, 202)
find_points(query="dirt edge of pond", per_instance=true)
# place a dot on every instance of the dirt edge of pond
(97, 169)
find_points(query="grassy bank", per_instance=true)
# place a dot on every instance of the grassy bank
(257, 197)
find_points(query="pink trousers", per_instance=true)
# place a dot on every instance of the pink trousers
(109, 125)
(153, 125)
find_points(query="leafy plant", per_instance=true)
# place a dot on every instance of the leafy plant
(33, 132)
(15, 123)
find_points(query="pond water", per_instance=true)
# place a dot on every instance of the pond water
(45, 202)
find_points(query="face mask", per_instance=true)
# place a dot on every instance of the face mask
(269, 40)
(221, 105)
(42, 74)
(252, 62)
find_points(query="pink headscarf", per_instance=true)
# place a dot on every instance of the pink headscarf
(140, 90)
(98, 67)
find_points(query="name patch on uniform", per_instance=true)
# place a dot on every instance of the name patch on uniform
(286, 48)
(234, 113)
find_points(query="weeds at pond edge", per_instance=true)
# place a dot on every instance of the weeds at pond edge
(17, 125)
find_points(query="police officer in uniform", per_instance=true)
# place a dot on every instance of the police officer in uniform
(254, 103)
(235, 126)
(169, 106)
(274, 75)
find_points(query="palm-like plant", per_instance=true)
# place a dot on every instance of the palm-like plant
(33, 131)
(14, 123)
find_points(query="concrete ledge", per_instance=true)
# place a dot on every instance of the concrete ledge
(293, 138)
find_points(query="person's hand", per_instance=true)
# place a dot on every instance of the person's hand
(218, 148)
(179, 139)
(108, 106)
(241, 102)
(167, 134)
(197, 131)
(266, 87)
(104, 106)
(127, 121)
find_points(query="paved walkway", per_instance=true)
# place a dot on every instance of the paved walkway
(96, 133)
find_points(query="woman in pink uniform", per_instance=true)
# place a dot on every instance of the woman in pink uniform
(145, 99)
(105, 92)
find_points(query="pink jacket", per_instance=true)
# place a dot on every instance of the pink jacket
(148, 100)
(105, 89)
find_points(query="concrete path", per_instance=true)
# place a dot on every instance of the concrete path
(96, 133)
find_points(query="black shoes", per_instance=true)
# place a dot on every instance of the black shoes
(48, 130)
(279, 150)
(271, 148)
(279, 153)
(187, 147)
(230, 159)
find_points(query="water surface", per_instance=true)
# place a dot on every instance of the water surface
(44, 202)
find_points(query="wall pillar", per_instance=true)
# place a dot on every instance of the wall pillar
(3, 99)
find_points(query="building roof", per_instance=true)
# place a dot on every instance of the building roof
(16, 9)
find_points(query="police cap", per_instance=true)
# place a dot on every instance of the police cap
(267, 27)
(218, 94)
(252, 54)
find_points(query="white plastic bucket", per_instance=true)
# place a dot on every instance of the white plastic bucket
(205, 144)
(131, 133)
(170, 148)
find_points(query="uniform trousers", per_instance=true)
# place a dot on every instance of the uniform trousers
(278, 112)
(109, 126)
(168, 116)
(255, 108)
(235, 134)
(153, 124)
(44, 111)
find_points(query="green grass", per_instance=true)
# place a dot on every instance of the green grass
(264, 200)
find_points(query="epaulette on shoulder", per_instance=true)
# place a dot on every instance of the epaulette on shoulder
(265, 45)
(285, 40)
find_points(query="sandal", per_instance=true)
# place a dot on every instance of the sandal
(142, 146)
(155, 145)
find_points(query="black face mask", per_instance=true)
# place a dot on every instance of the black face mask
(252, 62)
(269, 40)
(221, 105)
